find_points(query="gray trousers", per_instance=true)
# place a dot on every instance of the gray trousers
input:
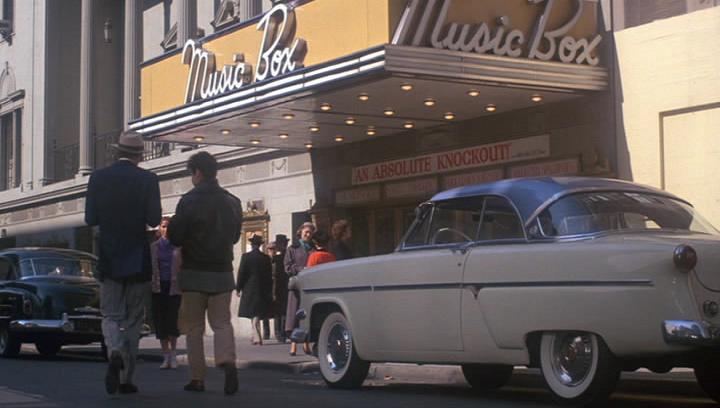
(123, 310)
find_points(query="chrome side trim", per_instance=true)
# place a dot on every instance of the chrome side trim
(690, 333)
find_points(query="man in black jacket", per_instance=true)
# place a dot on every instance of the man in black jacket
(206, 225)
(122, 199)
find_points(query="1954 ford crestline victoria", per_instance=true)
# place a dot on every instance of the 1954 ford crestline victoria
(581, 277)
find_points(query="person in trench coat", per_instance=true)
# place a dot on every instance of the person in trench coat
(255, 282)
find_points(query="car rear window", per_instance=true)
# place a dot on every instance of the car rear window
(587, 213)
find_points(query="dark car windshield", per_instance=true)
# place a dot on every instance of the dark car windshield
(57, 267)
(594, 212)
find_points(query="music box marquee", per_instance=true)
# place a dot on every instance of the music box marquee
(278, 55)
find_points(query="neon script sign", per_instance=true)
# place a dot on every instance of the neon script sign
(278, 55)
(545, 43)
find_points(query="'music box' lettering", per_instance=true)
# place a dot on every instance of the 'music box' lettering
(275, 58)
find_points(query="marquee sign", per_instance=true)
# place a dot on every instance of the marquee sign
(278, 55)
(424, 23)
(443, 162)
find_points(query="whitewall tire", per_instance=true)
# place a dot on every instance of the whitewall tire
(578, 368)
(340, 365)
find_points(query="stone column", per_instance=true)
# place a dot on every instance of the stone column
(249, 9)
(86, 88)
(133, 57)
(187, 21)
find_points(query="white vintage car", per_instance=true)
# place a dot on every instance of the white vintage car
(581, 277)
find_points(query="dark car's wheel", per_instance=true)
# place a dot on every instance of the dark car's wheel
(48, 348)
(340, 365)
(578, 368)
(487, 376)
(9, 346)
(707, 373)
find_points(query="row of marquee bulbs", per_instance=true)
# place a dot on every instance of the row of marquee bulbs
(364, 97)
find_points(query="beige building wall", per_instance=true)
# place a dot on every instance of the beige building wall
(669, 73)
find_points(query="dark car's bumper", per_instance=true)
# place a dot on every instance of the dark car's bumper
(85, 324)
(691, 333)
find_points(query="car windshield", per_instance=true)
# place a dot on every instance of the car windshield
(594, 212)
(57, 267)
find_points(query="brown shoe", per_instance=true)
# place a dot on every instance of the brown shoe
(231, 378)
(195, 385)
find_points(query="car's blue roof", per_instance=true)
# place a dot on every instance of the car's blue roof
(529, 194)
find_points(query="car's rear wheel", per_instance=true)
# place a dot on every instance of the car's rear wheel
(9, 346)
(487, 376)
(340, 365)
(48, 348)
(707, 373)
(578, 368)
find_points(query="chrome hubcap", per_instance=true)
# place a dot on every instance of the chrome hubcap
(572, 358)
(339, 346)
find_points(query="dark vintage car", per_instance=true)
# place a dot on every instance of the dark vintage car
(48, 297)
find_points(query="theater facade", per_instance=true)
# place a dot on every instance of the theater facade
(398, 99)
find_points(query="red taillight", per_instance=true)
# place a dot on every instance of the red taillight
(685, 258)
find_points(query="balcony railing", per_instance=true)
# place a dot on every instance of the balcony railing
(65, 159)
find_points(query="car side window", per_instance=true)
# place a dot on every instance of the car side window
(26, 268)
(500, 221)
(455, 221)
(6, 269)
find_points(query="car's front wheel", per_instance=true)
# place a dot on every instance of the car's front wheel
(578, 368)
(48, 348)
(707, 373)
(487, 376)
(9, 346)
(340, 365)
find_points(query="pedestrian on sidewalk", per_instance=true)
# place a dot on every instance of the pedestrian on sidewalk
(206, 225)
(122, 200)
(321, 254)
(280, 286)
(254, 280)
(340, 244)
(166, 260)
(295, 261)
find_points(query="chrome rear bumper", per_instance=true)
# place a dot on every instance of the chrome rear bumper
(691, 333)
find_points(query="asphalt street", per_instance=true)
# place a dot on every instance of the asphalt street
(76, 380)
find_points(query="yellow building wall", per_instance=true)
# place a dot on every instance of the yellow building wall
(669, 99)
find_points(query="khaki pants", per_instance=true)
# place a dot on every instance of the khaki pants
(192, 323)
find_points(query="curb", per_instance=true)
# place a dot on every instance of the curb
(304, 367)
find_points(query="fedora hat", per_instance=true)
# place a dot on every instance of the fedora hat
(281, 239)
(256, 240)
(130, 142)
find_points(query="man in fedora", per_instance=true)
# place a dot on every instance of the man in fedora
(123, 199)
(206, 225)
